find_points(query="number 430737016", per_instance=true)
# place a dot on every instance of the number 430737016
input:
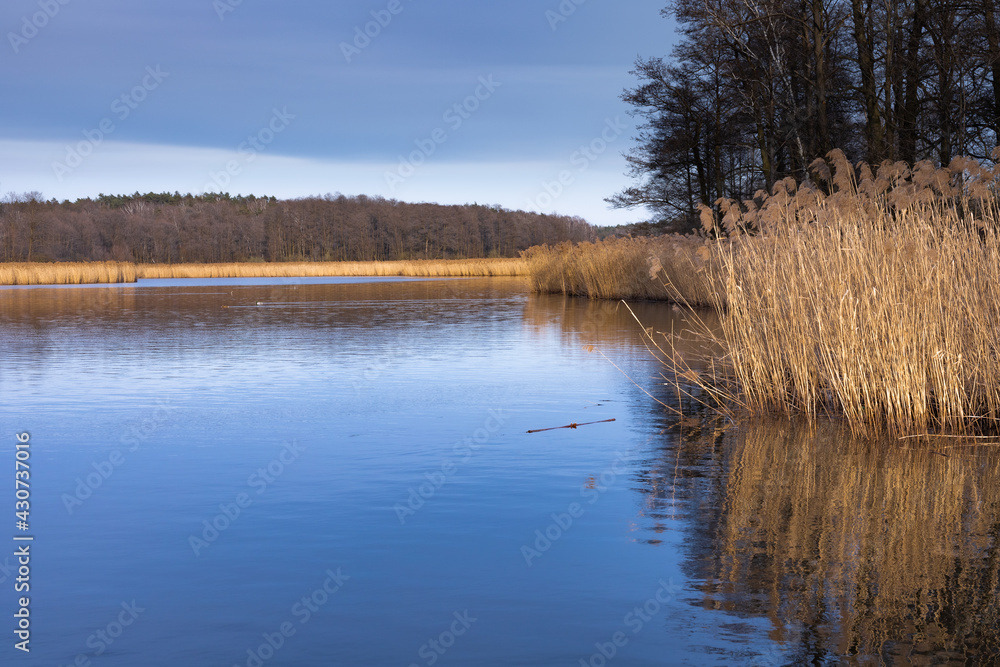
(22, 476)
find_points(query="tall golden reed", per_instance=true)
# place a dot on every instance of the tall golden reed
(66, 273)
(493, 267)
(878, 301)
(667, 267)
(118, 272)
(868, 295)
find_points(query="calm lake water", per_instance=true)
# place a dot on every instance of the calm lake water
(338, 472)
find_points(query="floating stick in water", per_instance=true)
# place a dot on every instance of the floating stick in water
(573, 425)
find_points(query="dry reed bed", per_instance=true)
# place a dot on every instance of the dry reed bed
(64, 273)
(877, 300)
(668, 267)
(868, 295)
(891, 330)
(495, 267)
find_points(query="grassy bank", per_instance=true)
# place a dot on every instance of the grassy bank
(119, 272)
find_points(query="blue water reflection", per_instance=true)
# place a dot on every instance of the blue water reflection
(218, 457)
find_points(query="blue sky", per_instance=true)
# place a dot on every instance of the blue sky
(513, 103)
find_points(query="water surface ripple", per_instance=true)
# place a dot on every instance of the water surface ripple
(337, 472)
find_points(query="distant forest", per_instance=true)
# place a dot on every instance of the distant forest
(172, 228)
(755, 90)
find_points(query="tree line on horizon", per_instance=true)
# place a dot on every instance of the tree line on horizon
(756, 90)
(175, 228)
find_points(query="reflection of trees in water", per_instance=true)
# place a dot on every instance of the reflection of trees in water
(626, 329)
(851, 549)
(37, 306)
(595, 321)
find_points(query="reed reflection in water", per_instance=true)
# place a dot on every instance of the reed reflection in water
(857, 552)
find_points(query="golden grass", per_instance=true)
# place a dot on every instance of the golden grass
(667, 267)
(496, 267)
(65, 273)
(872, 306)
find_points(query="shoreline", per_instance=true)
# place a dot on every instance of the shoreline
(87, 273)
